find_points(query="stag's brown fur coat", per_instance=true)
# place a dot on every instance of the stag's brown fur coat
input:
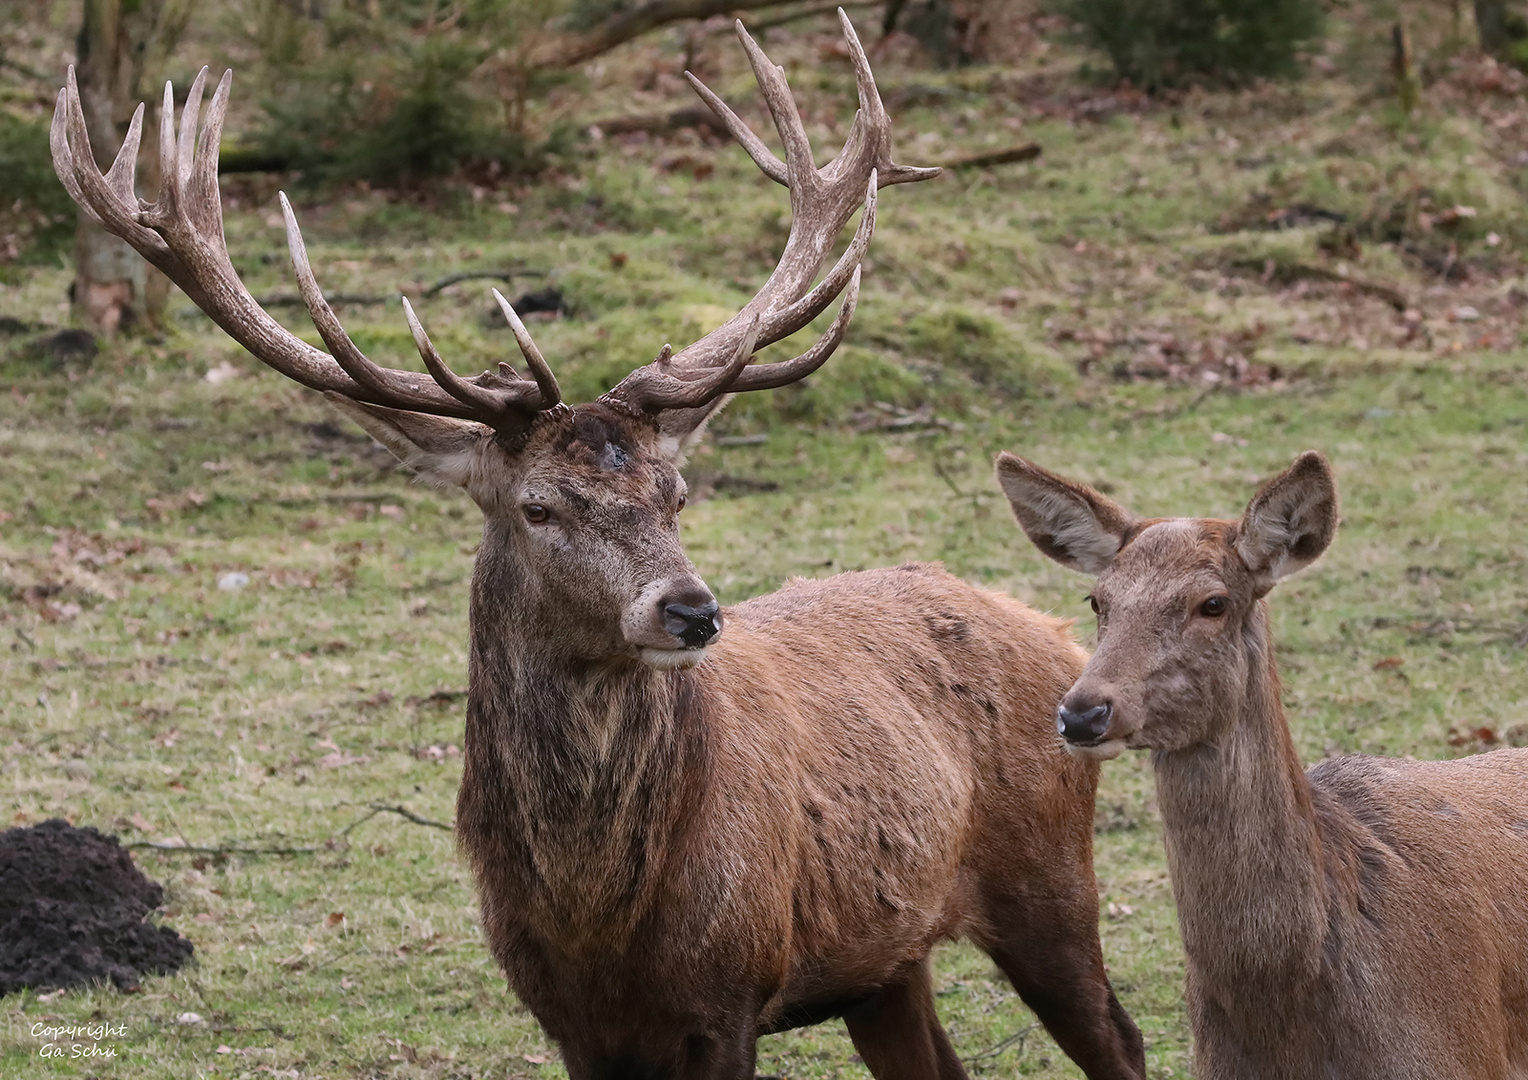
(864, 766)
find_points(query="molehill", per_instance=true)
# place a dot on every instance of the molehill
(73, 911)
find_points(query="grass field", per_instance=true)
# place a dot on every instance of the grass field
(1118, 310)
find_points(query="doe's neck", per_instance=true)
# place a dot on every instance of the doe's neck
(1243, 846)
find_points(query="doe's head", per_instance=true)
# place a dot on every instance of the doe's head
(1178, 600)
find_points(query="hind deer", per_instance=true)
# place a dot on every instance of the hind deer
(684, 838)
(1364, 920)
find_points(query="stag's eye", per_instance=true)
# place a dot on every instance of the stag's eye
(682, 500)
(1214, 607)
(1093, 602)
(535, 513)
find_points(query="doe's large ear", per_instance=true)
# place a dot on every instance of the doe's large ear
(1068, 521)
(1291, 519)
(438, 448)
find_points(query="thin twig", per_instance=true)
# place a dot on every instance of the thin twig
(159, 845)
(998, 1047)
(1286, 272)
(939, 471)
(293, 300)
(401, 811)
(478, 275)
(758, 26)
(1009, 156)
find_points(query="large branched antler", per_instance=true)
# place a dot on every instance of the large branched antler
(822, 202)
(181, 233)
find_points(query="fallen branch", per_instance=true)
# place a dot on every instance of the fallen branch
(478, 275)
(758, 26)
(1286, 273)
(998, 1047)
(696, 116)
(1027, 152)
(437, 697)
(566, 50)
(192, 849)
(401, 811)
(293, 300)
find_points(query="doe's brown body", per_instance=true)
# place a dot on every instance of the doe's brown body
(1363, 920)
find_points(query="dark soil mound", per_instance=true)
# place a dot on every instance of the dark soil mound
(72, 907)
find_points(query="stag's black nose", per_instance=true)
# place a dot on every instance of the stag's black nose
(1083, 727)
(695, 626)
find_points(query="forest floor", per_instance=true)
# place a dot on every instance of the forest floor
(228, 622)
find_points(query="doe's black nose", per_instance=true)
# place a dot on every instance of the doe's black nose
(1083, 727)
(695, 626)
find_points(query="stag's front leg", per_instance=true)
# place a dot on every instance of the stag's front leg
(898, 1033)
(655, 1054)
(1050, 951)
(726, 1057)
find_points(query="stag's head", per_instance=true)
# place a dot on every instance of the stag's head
(1178, 600)
(579, 501)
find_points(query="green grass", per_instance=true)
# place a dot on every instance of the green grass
(138, 696)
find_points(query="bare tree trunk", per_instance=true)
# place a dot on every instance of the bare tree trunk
(121, 47)
(565, 50)
(1491, 22)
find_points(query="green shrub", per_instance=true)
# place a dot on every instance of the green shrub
(985, 349)
(390, 97)
(36, 216)
(1160, 43)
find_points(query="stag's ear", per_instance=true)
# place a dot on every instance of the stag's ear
(1290, 522)
(1070, 522)
(438, 448)
(679, 430)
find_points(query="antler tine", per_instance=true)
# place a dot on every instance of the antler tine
(541, 371)
(493, 406)
(788, 320)
(189, 117)
(763, 157)
(72, 159)
(782, 108)
(202, 184)
(63, 157)
(870, 123)
(652, 389)
(167, 205)
(355, 363)
(122, 176)
(785, 372)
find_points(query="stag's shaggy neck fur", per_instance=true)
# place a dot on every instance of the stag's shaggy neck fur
(575, 764)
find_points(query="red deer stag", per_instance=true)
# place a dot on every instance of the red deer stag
(1365, 920)
(684, 839)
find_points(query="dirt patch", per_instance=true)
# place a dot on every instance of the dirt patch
(72, 911)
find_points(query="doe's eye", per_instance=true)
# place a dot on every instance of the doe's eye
(682, 500)
(1214, 607)
(1093, 602)
(535, 513)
